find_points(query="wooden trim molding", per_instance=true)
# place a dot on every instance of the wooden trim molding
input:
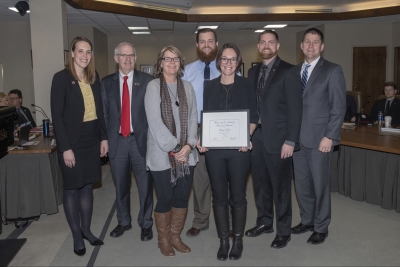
(172, 16)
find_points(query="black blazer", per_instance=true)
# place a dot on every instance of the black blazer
(281, 105)
(111, 95)
(28, 115)
(243, 96)
(68, 108)
(394, 110)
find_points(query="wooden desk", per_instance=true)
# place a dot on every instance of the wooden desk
(366, 167)
(31, 181)
(44, 147)
(371, 138)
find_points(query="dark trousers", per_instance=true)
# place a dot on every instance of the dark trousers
(228, 170)
(169, 196)
(313, 188)
(272, 177)
(127, 159)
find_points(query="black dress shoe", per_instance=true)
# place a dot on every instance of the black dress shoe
(146, 234)
(80, 252)
(119, 230)
(97, 242)
(259, 230)
(280, 241)
(317, 238)
(302, 228)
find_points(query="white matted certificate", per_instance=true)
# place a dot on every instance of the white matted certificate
(225, 129)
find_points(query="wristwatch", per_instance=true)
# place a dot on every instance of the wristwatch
(177, 148)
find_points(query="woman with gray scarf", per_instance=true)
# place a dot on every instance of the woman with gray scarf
(171, 111)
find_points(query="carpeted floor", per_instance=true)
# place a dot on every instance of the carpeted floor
(360, 234)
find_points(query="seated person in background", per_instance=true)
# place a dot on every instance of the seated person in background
(390, 106)
(351, 109)
(4, 101)
(24, 114)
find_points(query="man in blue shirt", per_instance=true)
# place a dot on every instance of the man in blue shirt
(196, 73)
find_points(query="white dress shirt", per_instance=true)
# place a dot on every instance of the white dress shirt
(310, 69)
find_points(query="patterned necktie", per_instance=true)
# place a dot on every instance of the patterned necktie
(125, 117)
(260, 87)
(304, 76)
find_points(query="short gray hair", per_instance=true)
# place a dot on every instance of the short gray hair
(116, 50)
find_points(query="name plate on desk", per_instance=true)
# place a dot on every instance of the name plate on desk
(390, 130)
(225, 129)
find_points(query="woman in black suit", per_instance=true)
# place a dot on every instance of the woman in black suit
(229, 168)
(80, 132)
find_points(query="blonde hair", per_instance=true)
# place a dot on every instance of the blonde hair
(3, 95)
(90, 72)
(172, 49)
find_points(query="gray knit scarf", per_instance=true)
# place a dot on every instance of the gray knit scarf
(178, 169)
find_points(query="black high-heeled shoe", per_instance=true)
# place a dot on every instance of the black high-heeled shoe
(97, 242)
(80, 252)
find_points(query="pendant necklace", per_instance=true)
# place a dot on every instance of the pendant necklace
(176, 97)
(227, 93)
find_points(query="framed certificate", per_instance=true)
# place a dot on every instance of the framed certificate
(225, 129)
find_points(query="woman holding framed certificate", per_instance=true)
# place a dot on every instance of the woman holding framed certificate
(171, 111)
(229, 168)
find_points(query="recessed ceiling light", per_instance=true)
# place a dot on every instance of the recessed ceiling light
(138, 28)
(211, 27)
(259, 30)
(141, 32)
(276, 26)
(16, 10)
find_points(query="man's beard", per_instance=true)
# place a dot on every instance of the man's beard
(268, 56)
(207, 57)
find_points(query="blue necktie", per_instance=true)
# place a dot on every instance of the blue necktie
(304, 76)
(207, 72)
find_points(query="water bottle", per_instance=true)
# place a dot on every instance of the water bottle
(46, 127)
(380, 118)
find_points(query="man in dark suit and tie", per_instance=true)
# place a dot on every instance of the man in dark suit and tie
(123, 98)
(324, 106)
(24, 114)
(279, 102)
(390, 106)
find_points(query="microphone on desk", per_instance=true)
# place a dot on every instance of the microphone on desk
(44, 113)
(34, 112)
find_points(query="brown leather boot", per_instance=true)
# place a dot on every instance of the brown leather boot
(178, 218)
(163, 225)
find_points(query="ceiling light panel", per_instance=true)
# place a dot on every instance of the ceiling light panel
(208, 26)
(138, 28)
(141, 32)
(276, 26)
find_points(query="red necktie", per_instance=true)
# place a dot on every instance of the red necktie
(125, 117)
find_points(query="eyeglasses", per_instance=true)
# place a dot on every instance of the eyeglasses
(125, 55)
(169, 59)
(14, 98)
(225, 60)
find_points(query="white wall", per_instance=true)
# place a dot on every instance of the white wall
(15, 55)
(147, 47)
(341, 38)
(100, 52)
